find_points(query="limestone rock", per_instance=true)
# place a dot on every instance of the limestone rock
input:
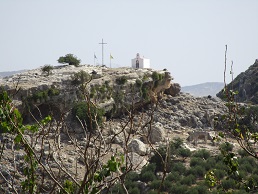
(174, 89)
(137, 146)
(137, 160)
(157, 133)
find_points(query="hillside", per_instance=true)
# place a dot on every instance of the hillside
(143, 111)
(246, 83)
(204, 89)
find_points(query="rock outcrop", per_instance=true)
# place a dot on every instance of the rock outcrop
(111, 89)
(246, 83)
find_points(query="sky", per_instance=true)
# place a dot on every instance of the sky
(187, 37)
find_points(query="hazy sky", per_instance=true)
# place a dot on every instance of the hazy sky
(187, 37)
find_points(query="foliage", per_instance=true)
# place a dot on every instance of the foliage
(121, 80)
(202, 153)
(80, 78)
(90, 115)
(43, 95)
(47, 69)
(138, 83)
(70, 59)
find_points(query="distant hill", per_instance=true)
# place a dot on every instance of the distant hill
(204, 89)
(8, 73)
(246, 83)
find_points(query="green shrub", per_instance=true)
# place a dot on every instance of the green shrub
(202, 153)
(242, 153)
(87, 115)
(80, 77)
(188, 180)
(53, 92)
(155, 184)
(184, 152)
(228, 147)
(178, 167)
(210, 163)
(174, 177)
(148, 176)
(201, 189)
(47, 69)
(134, 190)
(197, 171)
(196, 161)
(220, 174)
(178, 188)
(118, 189)
(132, 176)
(138, 83)
(70, 59)
(157, 160)
(228, 184)
(155, 76)
(121, 80)
(147, 172)
(247, 167)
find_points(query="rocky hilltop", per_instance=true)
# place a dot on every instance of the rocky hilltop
(163, 113)
(109, 88)
(246, 83)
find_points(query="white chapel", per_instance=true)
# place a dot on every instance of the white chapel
(140, 62)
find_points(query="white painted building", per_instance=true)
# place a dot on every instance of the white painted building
(140, 62)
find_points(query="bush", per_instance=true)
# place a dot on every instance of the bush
(178, 188)
(173, 177)
(228, 147)
(210, 163)
(134, 190)
(188, 180)
(155, 76)
(80, 77)
(242, 153)
(70, 59)
(121, 80)
(155, 184)
(91, 116)
(228, 184)
(184, 152)
(148, 176)
(220, 174)
(47, 69)
(201, 189)
(178, 167)
(202, 153)
(132, 176)
(196, 161)
(197, 171)
(138, 83)
(247, 167)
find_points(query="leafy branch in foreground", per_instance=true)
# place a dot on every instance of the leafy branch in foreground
(237, 125)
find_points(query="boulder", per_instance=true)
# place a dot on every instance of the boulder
(174, 89)
(156, 133)
(137, 161)
(137, 146)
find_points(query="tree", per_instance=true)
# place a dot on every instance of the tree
(47, 69)
(70, 59)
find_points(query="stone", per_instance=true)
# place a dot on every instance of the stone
(137, 161)
(174, 89)
(137, 146)
(157, 133)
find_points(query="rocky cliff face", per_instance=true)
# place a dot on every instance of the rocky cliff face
(246, 83)
(111, 89)
(175, 115)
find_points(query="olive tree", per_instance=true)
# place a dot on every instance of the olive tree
(70, 59)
